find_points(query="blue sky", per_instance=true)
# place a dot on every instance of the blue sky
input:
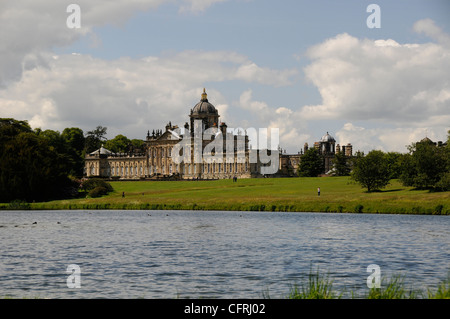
(307, 67)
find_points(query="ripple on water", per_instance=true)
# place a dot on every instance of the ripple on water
(212, 254)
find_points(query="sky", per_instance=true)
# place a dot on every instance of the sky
(304, 67)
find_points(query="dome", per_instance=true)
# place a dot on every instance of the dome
(101, 151)
(328, 138)
(204, 106)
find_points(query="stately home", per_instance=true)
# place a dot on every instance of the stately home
(162, 158)
(185, 153)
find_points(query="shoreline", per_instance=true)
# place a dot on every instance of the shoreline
(240, 208)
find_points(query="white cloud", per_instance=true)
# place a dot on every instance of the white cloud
(197, 6)
(382, 80)
(292, 128)
(30, 28)
(126, 95)
(251, 72)
(385, 139)
(430, 29)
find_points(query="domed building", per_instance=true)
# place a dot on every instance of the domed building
(160, 147)
(206, 112)
(158, 162)
(327, 144)
(226, 154)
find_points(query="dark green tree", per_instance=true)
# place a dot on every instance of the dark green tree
(341, 164)
(425, 165)
(394, 160)
(371, 171)
(119, 144)
(95, 138)
(74, 136)
(31, 168)
(311, 164)
(138, 144)
(75, 141)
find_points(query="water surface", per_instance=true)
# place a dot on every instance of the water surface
(197, 254)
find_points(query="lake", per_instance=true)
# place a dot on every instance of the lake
(199, 254)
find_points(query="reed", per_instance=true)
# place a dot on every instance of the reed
(317, 287)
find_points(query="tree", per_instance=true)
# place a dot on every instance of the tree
(74, 136)
(341, 164)
(425, 165)
(311, 164)
(95, 139)
(31, 168)
(119, 144)
(75, 142)
(394, 160)
(138, 144)
(371, 171)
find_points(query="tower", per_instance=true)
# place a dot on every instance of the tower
(206, 112)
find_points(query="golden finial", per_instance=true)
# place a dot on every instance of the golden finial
(204, 95)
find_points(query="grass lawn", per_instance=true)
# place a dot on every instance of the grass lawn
(338, 194)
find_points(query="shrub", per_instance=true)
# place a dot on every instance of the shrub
(359, 208)
(97, 192)
(444, 183)
(19, 205)
(90, 184)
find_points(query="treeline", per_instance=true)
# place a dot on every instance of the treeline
(426, 165)
(38, 165)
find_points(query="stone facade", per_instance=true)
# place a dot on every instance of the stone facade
(225, 160)
(327, 149)
(158, 161)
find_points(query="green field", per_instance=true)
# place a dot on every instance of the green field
(338, 194)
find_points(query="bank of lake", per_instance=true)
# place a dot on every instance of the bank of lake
(338, 194)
